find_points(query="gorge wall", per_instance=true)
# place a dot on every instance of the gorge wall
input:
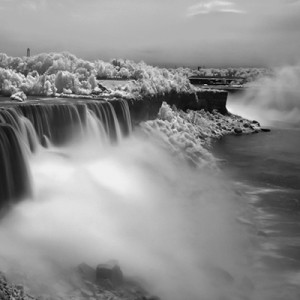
(209, 100)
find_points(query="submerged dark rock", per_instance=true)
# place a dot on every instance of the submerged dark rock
(265, 129)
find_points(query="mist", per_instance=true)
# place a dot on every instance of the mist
(171, 225)
(271, 100)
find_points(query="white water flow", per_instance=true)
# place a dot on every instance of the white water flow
(271, 100)
(173, 226)
(187, 232)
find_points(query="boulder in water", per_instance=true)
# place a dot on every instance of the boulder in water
(255, 122)
(238, 130)
(265, 129)
(18, 96)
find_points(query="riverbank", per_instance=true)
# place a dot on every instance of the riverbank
(190, 133)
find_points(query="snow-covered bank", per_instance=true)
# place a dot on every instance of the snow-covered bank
(189, 134)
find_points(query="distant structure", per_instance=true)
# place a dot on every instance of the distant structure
(216, 80)
(28, 52)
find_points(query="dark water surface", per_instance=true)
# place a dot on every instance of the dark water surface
(267, 165)
(267, 159)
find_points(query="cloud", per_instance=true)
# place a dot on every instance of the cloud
(206, 7)
(293, 1)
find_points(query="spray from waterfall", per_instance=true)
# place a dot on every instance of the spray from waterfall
(24, 128)
(169, 223)
(271, 99)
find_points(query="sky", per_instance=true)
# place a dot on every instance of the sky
(207, 33)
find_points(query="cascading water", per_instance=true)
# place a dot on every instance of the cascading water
(180, 228)
(271, 100)
(25, 127)
(15, 179)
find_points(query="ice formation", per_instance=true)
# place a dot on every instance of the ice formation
(189, 134)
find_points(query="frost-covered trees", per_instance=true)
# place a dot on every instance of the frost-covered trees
(50, 73)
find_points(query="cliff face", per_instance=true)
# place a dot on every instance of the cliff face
(210, 100)
(147, 108)
(207, 100)
(144, 109)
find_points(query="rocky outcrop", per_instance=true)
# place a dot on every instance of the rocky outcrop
(109, 271)
(202, 99)
(81, 283)
(144, 109)
(9, 291)
(213, 100)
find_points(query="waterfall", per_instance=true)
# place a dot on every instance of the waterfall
(187, 232)
(166, 222)
(26, 127)
(15, 179)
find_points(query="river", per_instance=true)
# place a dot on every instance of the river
(266, 167)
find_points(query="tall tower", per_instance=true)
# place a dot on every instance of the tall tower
(28, 52)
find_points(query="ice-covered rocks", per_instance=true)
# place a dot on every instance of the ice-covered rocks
(189, 133)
